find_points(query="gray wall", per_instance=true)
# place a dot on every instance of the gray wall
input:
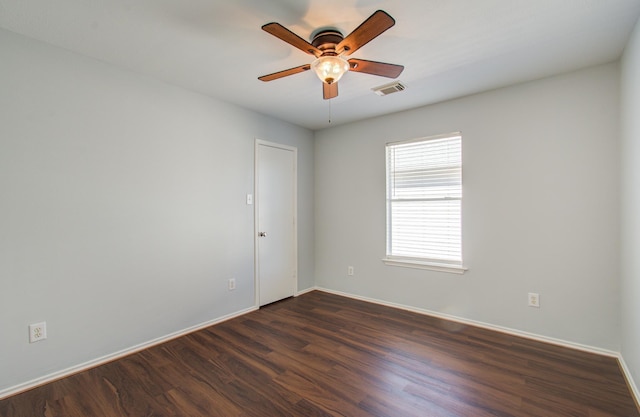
(540, 209)
(122, 207)
(631, 204)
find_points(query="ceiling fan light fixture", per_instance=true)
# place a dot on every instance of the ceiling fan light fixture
(330, 68)
(329, 46)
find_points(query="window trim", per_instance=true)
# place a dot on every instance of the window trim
(420, 263)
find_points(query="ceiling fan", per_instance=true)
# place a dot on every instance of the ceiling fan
(329, 47)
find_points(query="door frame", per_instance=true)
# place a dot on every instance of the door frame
(256, 207)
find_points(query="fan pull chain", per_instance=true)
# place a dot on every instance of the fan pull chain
(329, 110)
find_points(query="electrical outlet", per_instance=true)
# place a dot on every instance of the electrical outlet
(534, 299)
(37, 332)
(232, 284)
(350, 271)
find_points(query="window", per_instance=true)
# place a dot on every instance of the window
(424, 195)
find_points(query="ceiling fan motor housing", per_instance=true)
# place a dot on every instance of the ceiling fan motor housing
(326, 40)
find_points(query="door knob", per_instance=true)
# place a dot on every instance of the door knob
(262, 234)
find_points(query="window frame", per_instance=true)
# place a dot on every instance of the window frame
(434, 264)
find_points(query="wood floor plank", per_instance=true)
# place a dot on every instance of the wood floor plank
(321, 355)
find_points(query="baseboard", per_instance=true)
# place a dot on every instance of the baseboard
(635, 393)
(483, 325)
(633, 388)
(299, 293)
(117, 355)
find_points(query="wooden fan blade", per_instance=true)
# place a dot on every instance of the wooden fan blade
(329, 90)
(281, 32)
(368, 30)
(280, 74)
(376, 68)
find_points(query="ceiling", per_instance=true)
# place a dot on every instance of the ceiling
(450, 48)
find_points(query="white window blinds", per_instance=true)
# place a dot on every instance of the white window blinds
(424, 193)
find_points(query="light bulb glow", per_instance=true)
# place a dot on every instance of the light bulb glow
(330, 68)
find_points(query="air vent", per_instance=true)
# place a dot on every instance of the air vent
(387, 89)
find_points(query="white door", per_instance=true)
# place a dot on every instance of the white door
(276, 243)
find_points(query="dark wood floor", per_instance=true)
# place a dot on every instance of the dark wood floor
(324, 355)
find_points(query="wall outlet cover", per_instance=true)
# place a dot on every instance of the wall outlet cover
(37, 332)
(534, 299)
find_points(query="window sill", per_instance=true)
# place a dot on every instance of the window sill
(432, 266)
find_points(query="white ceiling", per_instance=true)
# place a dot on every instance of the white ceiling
(449, 48)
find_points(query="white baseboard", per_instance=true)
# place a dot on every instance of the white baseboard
(483, 325)
(630, 382)
(125, 352)
(116, 355)
(299, 293)
(635, 393)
